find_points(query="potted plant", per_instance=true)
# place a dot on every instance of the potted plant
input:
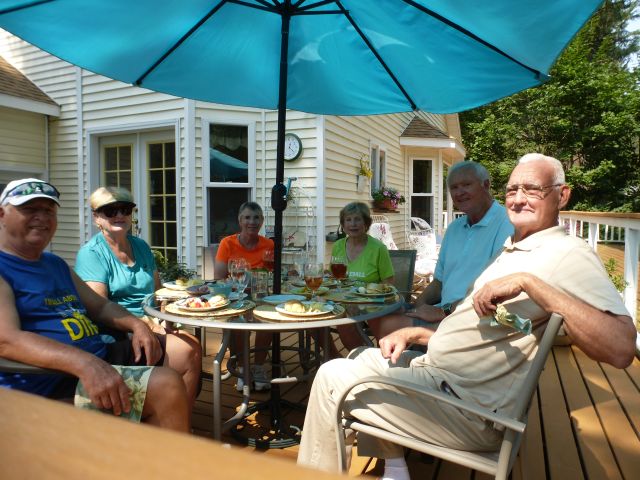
(170, 270)
(387, 198)
(364, 172)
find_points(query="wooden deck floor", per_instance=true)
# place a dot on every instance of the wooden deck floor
(584, 423)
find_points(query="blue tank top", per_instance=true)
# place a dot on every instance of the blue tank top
(48, 304)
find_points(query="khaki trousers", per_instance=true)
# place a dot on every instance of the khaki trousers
(385, 407)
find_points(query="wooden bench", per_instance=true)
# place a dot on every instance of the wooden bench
(43, 438)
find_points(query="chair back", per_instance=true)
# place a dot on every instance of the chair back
(382, 232)
(496, 462)
(403, 266)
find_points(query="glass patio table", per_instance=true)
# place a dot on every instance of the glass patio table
(266, 319)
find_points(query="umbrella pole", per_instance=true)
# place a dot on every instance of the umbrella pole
(279, 204)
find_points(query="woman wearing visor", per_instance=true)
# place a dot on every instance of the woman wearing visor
(121, 267)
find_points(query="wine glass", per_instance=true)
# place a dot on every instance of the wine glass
(313, 273)
(268, 262)
(238, 268)
(338, 267)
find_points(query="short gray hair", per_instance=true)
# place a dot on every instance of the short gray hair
(479, 171)
(558, 169)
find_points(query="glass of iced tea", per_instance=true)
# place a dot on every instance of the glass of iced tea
(268, 260)
(338, 268)
(313, 273)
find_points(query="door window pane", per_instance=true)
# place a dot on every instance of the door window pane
(162, 198)
(228, 153)
(223, 211)
(117, 166)
(422, 176)
(422, 206)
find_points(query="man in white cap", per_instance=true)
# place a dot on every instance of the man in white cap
(48, 318)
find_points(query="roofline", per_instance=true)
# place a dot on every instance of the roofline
(29, 105)
(448, 143)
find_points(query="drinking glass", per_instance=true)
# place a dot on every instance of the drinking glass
(268, 263)
(313, 273)
(338, 268)
(238, 271)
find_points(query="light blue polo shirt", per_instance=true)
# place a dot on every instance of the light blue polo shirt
(467, 249)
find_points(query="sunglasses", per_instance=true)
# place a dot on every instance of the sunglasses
(111, 211)
(30, 188)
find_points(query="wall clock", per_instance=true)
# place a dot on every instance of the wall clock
(292, 147)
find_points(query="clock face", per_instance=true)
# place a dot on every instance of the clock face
(292, 146)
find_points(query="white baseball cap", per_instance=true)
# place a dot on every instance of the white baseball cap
(18, 192)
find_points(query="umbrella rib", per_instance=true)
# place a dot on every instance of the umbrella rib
(22, 7)
(472, 35)
(376, 54)
(212, 12)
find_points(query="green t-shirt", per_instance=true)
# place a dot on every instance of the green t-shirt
(372, 265)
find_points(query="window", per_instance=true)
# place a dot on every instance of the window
(229, 178)
(118, 169)
(378, 167)
(422, 189)
(161, 161)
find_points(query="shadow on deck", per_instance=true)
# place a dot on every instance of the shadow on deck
(584, 422)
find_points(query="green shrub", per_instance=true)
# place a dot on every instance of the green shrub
(171, 270)
(617, 279)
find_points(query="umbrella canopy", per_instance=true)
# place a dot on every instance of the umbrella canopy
(344, 57)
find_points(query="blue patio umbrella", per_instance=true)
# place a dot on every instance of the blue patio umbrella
(341, 57)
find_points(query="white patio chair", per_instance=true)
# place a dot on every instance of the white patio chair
(382, 231)
(498, 462)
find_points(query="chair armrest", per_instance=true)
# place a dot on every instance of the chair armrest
(11, 366)
(507, 422)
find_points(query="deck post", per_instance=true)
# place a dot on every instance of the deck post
(631, 246)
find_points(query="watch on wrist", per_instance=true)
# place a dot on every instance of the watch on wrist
(447, 309)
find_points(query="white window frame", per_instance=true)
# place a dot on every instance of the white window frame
(412, 194)
(240, 120)
(379, 168)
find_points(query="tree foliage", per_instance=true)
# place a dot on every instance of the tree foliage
(587, 115)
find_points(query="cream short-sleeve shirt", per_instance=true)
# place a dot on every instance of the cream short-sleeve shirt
(487, 364)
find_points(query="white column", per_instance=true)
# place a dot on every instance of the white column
(631, 245)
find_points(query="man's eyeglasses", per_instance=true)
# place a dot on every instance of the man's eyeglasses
(530, 190)
(30, 188)
(111, 211)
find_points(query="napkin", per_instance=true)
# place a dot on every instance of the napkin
(503, 317)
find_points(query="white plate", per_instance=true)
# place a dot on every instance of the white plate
(181, 304)
(306, 291)
(326, 309)
(329, 282)
(174, 286)
(278, 299)
(387, 294)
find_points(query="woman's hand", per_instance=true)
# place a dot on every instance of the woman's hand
(145, 340)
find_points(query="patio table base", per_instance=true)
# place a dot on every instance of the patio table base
(249, 432)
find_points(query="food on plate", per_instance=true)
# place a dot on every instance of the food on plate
(194, 281)
(181, 282)
(198, 290)
(296, 306)
(376, 288)
(199, 302)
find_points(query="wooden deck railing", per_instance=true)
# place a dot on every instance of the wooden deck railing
(597, 227)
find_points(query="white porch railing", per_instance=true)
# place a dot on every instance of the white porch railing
(614, 228)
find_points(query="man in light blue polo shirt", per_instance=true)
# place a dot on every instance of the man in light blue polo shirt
(469, 244)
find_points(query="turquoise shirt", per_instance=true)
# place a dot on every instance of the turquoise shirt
(126, 285)
(467, 250)
(372, 265)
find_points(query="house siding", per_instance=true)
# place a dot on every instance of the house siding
(94, 106)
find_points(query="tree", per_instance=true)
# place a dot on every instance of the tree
(587, 115)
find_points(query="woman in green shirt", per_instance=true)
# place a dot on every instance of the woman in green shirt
(367, 258)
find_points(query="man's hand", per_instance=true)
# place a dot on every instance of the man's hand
(105, 386)
(392, 345)
(497, 291)
(144, 339)
(428, 313)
